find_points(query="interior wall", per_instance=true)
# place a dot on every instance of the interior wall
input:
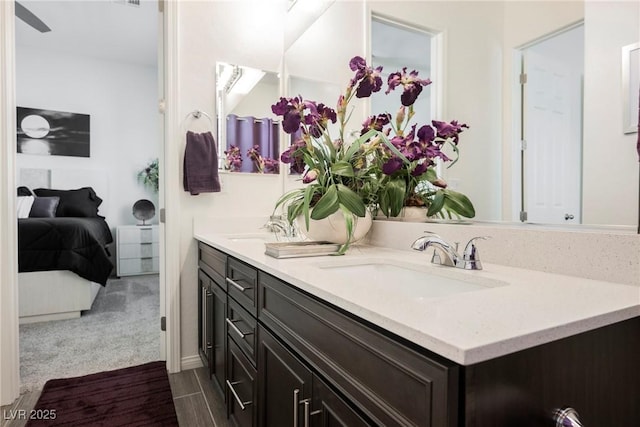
(610, 162)
(472, 77)
(121, 99)
(234, 33)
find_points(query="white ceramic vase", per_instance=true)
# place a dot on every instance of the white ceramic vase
(408, 213)
(333, 228)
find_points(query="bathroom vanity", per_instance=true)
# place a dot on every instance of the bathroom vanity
(320, 341)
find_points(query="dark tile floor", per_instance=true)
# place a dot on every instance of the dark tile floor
(197, 403)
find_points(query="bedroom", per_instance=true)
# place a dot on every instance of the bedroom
(96, 68)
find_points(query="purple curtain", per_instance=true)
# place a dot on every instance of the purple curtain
(245, 132)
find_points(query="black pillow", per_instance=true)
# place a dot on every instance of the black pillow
(24, 191)
(44, 207)
(82, 202)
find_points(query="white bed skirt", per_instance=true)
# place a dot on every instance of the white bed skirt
(53, 295)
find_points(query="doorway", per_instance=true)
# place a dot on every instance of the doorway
(119, 78)
(550, 111)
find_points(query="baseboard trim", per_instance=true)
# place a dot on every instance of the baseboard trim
(190, 362)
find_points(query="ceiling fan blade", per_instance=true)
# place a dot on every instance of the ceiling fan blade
(29, 18)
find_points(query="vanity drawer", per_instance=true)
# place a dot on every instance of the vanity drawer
(213, 262)
(390, 382)
(242, 284)
(241, 388)
(241, 328)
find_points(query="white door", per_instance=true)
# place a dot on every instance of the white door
(553, 140)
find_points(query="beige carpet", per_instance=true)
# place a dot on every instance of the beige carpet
(121, 329)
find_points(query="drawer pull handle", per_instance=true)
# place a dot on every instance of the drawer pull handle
(237, 285)
(296, 402)
(235, 328)
(306, 412)
(242, 404)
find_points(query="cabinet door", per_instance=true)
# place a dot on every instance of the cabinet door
(205, 320)
(241, 388)
(330, 410)
(219, 334)
(284, 384)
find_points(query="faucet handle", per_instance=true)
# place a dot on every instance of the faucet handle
(470, 256)
(470, 252)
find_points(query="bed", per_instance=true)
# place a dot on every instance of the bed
(63, 256)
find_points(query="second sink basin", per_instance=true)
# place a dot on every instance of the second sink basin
(410, 280)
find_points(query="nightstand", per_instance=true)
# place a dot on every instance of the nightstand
(138, 249)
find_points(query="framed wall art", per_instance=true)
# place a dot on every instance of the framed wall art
(55, 133)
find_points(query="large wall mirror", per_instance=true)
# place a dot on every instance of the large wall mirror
(248, 133)
(483, 46)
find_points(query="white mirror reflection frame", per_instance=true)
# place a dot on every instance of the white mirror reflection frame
(630, 86)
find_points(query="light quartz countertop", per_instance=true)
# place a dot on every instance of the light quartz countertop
(528, 309)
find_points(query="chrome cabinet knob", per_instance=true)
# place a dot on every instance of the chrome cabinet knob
(567, 217)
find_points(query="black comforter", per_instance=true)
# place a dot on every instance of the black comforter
(75, 244)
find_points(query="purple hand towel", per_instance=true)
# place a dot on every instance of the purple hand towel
(201, 164)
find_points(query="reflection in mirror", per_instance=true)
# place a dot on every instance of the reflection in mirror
(551, 110)
(312, 90)
(249, 136)
(479, 75)
(394, 46)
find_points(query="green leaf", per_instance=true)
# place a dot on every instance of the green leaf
(342, 168)
(431, 174)
(392, 197)
(327, 204)
(459, 204)
(436, 204)
(308, 195)
(348, 221)
(350, 200)
(393, 149)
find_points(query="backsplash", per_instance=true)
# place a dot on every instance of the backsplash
(612, 256)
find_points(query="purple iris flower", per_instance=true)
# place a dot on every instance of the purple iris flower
(318, 119)
(375, 122)
(421, 167)
(410, 82)
(369, 78)
(271, 165)
(449, 130)
(392, 165)
(310, 176)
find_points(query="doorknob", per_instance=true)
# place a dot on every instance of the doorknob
(567, 217)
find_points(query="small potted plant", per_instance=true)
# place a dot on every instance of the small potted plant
(149, 175)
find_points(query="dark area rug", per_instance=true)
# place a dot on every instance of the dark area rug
(135, 396)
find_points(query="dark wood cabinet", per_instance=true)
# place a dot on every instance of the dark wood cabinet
(284, 357)
(218, 328)
(391, 383)
(205, 316)
(241, 388)
(329, 409)
(285, 384)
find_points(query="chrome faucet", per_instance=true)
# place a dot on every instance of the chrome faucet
(445, 254)
(278, 225)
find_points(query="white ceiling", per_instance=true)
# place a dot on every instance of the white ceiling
(103, 29)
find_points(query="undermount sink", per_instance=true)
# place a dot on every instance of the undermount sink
(408, 279)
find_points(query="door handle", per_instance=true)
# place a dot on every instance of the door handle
(296, 394)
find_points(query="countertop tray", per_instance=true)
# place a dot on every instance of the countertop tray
(300, 249)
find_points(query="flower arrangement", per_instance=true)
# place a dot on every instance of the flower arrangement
(149, 176)
(233, 160)
(387, 166)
